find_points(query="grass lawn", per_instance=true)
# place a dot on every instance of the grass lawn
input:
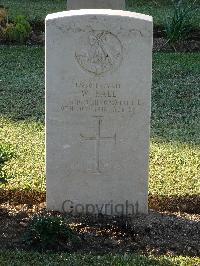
(25, 259)
(36, 10)
(175, 138)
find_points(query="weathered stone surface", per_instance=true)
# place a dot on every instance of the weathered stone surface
(98, 87)
(103, 4)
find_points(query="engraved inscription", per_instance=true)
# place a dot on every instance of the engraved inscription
(89, 84)
(98, 97)
(98, 138)
(99, 52)
(102, 105)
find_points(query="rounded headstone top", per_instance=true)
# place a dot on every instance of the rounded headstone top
(107, 12)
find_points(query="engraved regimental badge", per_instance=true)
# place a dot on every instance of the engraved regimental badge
(99, 52)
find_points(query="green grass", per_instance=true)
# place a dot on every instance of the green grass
(22, 97)
(36, 10)
(22, 82)
(175, 138)
(175, 153)
(26, 169)
(8, 258)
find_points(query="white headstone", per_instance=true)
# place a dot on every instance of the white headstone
(98, 88)
(103, 4)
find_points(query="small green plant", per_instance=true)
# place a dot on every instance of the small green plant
(19, 31)
(6, 154)
(50, 233)
(178, 24)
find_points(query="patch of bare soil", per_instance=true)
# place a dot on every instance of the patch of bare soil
(156, 233)
(186, 203)
(190, 45)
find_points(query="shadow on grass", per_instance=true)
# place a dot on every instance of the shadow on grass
(175, 98)
(22, 82)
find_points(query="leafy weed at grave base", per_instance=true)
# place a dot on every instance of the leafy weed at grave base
(50, 233)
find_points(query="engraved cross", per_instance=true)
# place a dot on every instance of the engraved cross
(98, 138)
